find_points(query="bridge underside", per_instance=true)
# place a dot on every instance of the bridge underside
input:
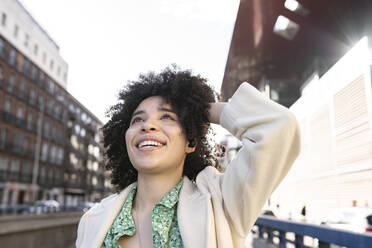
(317, 35)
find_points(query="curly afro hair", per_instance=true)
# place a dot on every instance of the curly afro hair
(189, 96)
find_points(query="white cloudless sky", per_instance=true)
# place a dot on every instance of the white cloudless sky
(108, 42)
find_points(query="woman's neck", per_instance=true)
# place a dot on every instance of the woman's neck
(152, 188)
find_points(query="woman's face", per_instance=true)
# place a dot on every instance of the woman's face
(155, 140)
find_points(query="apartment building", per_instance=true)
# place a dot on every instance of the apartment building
(49, 142)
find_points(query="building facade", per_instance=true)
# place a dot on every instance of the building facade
(85, 176)
(49, 142)
(292, 50)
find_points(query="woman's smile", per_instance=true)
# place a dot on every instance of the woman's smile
(147, 144)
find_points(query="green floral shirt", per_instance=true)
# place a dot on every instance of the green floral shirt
(165, 230)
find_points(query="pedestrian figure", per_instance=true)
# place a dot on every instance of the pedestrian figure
(170, 192)
(303, 213)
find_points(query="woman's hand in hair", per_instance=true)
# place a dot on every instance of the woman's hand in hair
(215, 112)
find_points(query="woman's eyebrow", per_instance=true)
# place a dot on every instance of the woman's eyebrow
(138, 113)
(166, 110)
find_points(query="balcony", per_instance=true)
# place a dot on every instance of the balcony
(18, 150)
(13, 176)
(12, 119)
(7, 117)
(25, 178)
(75, 185)
(3, 176)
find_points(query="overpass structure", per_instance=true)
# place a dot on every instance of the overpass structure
(57, 230)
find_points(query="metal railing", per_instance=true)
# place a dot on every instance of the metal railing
(282, 232)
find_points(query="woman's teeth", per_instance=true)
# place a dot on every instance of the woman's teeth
(149, 143)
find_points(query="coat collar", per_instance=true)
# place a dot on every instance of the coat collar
(193, 216)
(99, 219)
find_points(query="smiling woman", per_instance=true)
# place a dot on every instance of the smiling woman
(170, 192)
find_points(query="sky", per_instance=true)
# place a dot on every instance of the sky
(108, 42)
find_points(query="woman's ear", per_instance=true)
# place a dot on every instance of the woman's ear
(191, 146)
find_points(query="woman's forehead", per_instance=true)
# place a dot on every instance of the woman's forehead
(153, 102)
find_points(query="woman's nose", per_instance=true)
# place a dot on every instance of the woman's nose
(149, 125)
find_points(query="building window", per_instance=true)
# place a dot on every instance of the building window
(8, 106)
(74, 142)
(51, 86)
(20, 113)
(26, 169)
(2, 49)
(3, 136)
(3, 19)
(18, 138)
(51, 65)
(58, 71)
(82, 132)
(1, 76)
(14, 166)
(44, 152)
(71, 108)
(3, 164)
(77, 129)
(27, 39)
(60, 156)
(25, 146)
(42, 173)
(44, 58)
(94, 181)
(57, 112)
(16, 29)
(29, 121)
(36, 49)
(84, 117)
(12, 57)
(41, 103)
(26, 66)
(42, 79)
(22, 89)
(53, 132)
(32, 98)
(50, 174)
(33, 72)
(50, 107)
(46, 129)
(52, 154)
(96, 152)
(95, 166)
(74, 160)
(11, 83)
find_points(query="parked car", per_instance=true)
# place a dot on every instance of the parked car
(352, 219)
(85, 206)
(268, 212)
(43, 206)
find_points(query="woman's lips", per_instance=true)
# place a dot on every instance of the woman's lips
(149, 140)
(149, 148)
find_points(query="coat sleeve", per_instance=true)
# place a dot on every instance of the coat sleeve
(270, 136)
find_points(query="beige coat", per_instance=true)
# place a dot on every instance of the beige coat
(219, 209)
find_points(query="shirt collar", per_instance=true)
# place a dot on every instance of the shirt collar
(171, 198)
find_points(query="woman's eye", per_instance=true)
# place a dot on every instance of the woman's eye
(135, 120)
(167, 116)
